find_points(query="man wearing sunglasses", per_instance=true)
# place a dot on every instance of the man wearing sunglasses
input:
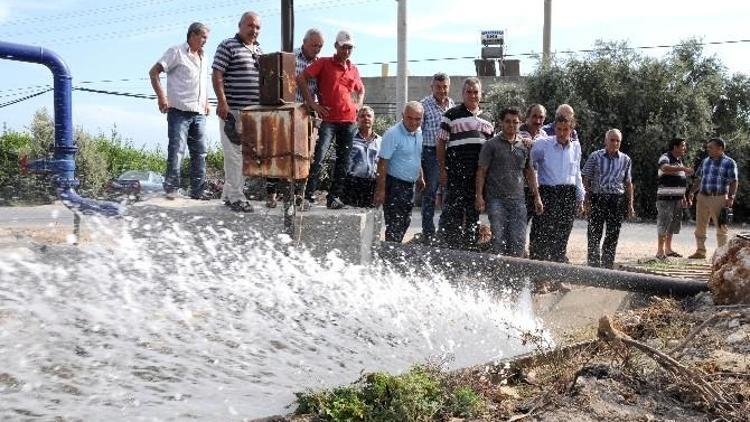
(338, 82)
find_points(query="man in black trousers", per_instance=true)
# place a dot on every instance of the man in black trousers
(557, 161)
(608, 199)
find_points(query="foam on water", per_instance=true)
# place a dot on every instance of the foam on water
(208, 325)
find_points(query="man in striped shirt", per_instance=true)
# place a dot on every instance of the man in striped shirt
(464, 129)
(236, 84)
(609, 197)
(435, 105)
(671, 195)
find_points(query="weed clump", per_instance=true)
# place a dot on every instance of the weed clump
(420, 394)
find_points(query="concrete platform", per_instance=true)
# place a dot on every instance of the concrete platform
(353, 232)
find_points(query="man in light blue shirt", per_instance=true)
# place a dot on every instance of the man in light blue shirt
(399, 168)
(558, 163)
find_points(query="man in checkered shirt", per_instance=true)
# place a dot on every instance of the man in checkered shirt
(716, 186)
(435, 105)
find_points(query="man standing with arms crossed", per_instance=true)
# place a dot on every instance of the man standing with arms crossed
(338, 79)
(609, 197)
(435, 105)
(671, 196)
(716, 187)
(236, 84)
(186, 106)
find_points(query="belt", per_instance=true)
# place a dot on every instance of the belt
(608, 194)
(557, 187)
(713, 193)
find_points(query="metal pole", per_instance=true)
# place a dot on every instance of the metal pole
(547, 37)
(402, 84)
(289, 208)
(498, 271)
(287, 25)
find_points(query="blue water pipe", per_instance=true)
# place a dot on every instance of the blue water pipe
(62, 166)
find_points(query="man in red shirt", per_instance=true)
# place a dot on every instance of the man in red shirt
(338, 82)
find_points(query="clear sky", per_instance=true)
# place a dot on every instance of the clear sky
(119, 40)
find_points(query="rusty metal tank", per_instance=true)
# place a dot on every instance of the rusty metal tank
(276, 141)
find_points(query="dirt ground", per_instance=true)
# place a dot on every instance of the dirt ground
(672, 361)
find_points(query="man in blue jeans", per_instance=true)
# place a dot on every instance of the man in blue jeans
(398, 170)
(338, 80)
(504, 166)
(186, 106)
(435, 105)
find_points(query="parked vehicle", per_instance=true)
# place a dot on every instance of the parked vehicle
(136, 184)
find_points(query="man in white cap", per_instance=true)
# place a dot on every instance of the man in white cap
(338, 78)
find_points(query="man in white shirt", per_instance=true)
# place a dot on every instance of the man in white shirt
(186, 106)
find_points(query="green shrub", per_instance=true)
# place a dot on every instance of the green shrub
(417, 395)
(466, 403)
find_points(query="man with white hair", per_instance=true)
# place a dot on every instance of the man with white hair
(608, 198)
(399, 168)
(338, 81)
(566, 111)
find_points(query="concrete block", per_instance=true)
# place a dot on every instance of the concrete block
(350, 231)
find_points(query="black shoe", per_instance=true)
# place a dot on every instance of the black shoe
(336, 204)
(202, 196)
(239, 206)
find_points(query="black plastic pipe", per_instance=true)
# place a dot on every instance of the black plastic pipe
(500, 271)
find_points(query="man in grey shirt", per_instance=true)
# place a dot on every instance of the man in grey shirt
(503, 165)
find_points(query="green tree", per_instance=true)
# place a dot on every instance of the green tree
(42, 133)
(650, 100)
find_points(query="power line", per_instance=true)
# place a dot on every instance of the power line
(116, 20)
(16, 101)
(324, 4)
(19, 91)
(586, 50)
(121, 94)
(429, 59)
(84, 12)
(34, 87)
(211, 101)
